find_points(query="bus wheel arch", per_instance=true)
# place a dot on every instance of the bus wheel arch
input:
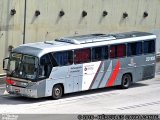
(126, 80)
(57, 91)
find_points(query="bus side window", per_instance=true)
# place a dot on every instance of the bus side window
(149, 46)
(82, 56)
(112, 51)
(121, 50)
(63, 58)
(99, 53)
(134, 48)
(45, 66)
(96, 53)
(117, 51)
(53, 61)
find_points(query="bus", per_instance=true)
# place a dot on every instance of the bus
(80, 63)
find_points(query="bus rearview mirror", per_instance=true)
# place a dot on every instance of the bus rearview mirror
(5, 63)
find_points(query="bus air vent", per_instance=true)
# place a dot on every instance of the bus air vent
(49, 42)
(72, 41)
(104, 38)
(87, 39)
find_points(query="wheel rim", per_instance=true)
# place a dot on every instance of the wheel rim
(57, 91)
(125, 83)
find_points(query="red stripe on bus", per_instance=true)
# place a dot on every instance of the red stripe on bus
(114, 74)
(95, 75)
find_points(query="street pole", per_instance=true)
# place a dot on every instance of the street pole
(24, 26)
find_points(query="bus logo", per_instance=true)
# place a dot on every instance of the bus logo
(85, 69)
(132, 63)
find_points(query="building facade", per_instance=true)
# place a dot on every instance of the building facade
(25, 21)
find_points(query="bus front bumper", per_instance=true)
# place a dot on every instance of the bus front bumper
(21, 91)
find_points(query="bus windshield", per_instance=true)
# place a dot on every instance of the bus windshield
(23, 66)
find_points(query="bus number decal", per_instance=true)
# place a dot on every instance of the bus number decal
(150, 58)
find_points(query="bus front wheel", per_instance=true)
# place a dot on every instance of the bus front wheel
(126, 81)
(57, 92)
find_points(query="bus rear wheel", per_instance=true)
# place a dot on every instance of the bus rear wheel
(57, 92)
(126, 81)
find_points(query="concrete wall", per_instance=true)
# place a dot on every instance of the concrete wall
(49, 25)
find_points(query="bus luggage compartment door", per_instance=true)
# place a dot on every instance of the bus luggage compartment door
(76, 84)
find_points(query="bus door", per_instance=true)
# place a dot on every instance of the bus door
(73, 83)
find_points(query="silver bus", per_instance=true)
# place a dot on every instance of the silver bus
(80, 63)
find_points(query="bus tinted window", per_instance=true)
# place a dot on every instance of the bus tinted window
(45, 66)
(134, 48)
(121, 50)
(45, 60)
(149, 46)
(117, 50)
(63, 58)
(82, 56)
(99, 53)
(112, 51)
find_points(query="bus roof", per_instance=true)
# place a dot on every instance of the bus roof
(68, 43)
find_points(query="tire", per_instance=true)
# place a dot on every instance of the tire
(126, 81)
(57, 92)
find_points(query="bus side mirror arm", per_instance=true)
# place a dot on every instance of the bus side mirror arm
(5, 64)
